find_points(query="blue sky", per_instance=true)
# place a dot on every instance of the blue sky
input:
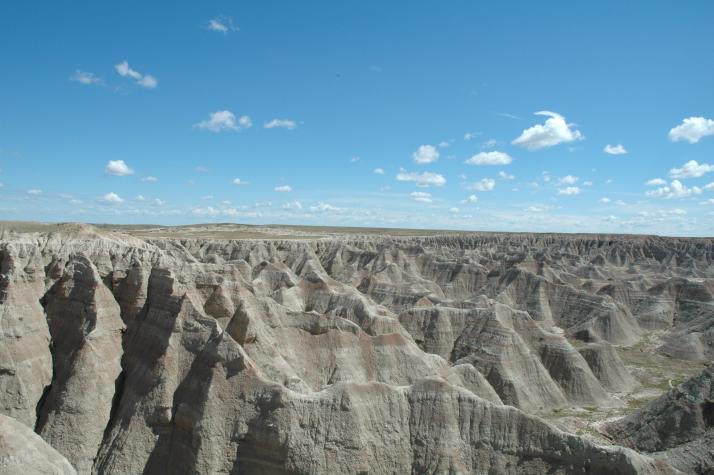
(460, 115)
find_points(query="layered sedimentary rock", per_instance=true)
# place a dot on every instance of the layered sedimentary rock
(678, 424)
(335, 355)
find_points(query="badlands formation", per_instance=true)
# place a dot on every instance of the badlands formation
(236, 349)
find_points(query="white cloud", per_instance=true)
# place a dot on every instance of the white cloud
(426, 154)
(354, 159)
(444, 144)
(489, 158)
(656, 182)
(292, 205)
(587, 183)
(604, 200)
(200, 169)
(118, 168)
(471, 199)
(505, 176)
(421, 179)
(322, 207)
(537, 209)
(485, 184)
(379, 171)
(568, 180)
(86, 78)
(222, 24)
(554, 131)
(471, 135)
(618, 149)
(569, 191)
(140, 198)
(709, 186)
(159, 202)
(221, 121)
(283, 189)
(710, 201)
(692, 129)
(238, 181)
(691, 169)
(454, 210)
(112, 198)
(146, 81)
(620, 203)
(280, 123)
(245, 122)
(150, 179)
(34, 191)
(421, 196)
(675, 190)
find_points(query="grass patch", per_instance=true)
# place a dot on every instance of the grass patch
(637, 403)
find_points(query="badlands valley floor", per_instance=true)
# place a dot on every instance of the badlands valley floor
(225, 348)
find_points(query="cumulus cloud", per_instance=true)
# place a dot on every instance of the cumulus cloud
(618, 149)
(142, 80)
(490, 158)
(112, 198)
(280, 123)
(471, 135)
(569, 191)
(86, 78)
(118, 168)
(426, 154)
(709, 186)
(283, 189)
(505, 176)
(568, 180)
(554, 131)
(379, 171)
(222, 121)
(692, 129)
(222, 24)
(238, 181)
(604, 200)
(424, 179)
(454, 210)
(421, 196)
(471, 199)
(691, 169)
(485, 184)
(245, 122)
(675, 189)
(656, 182)
(150, 179)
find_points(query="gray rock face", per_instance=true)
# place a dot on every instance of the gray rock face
(23, 451)
(335, 355)
(680, 424)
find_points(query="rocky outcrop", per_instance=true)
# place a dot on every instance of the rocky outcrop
(23, 451)
(337, 355)
(607, 366)
(680, 424)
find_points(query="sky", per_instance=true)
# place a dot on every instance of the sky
(551, 116)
